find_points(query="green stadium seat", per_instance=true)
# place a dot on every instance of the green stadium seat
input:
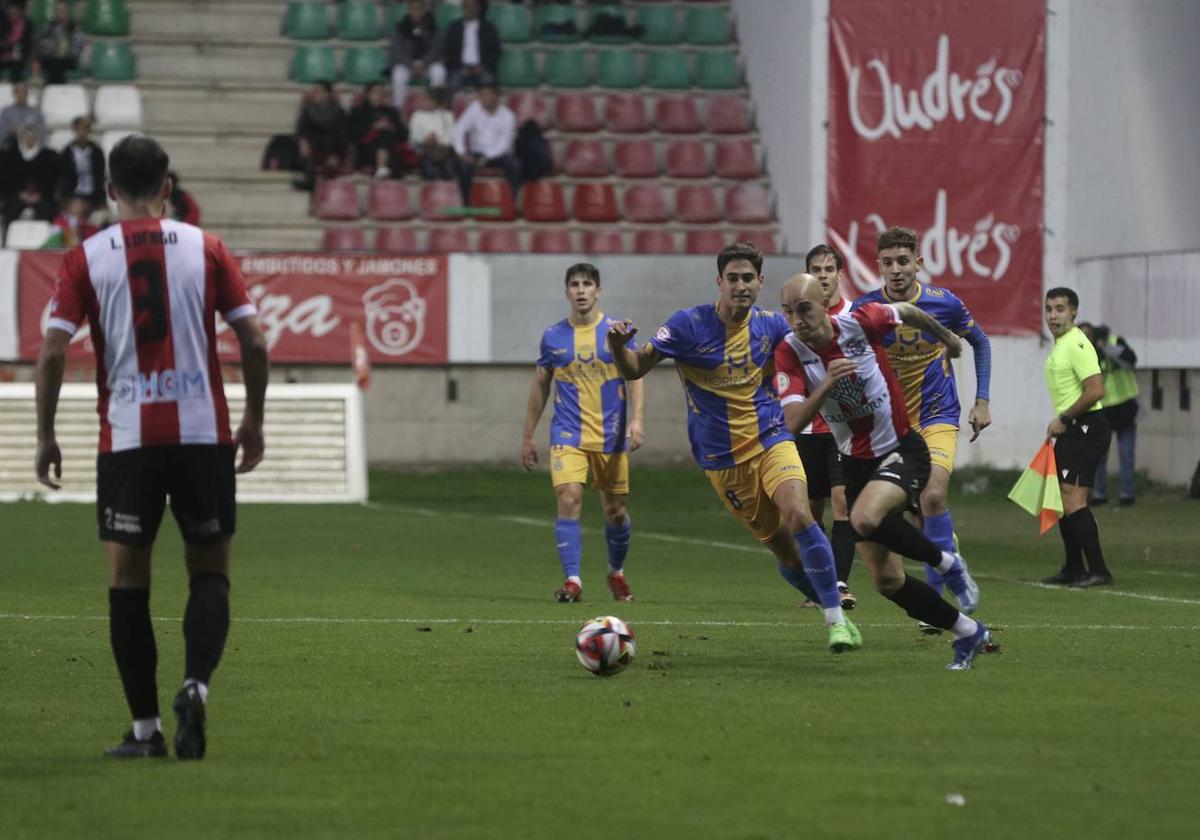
(306, 21)
(717, 70)
(668, 70)
(361, 65)
(707, 25)
(513, 22)
(518, 68)
(618, 69)
(40, 11)
(106, 17)
(358, 20)
(614, 11)
(661, 24)
(445, 14)
(113, 61)
(314, 64)
(556, 16)
(392, 12)
(567, 68)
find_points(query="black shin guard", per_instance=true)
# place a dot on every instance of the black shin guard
(1067, 529)
(899, 535)
(843, 549)
(1087, 537)
(917, 599)
(205, 625)
(132, 638)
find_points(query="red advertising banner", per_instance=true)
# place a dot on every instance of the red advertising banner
(936, 112)
(307, 306)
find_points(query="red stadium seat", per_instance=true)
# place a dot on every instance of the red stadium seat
(677, 115)
(736, 159)
(687, 159)
(388, 201)
(500, 241)
(747, 204)
(576, 112)
(584, 159)
(553, 241)
(709, 241)
(460, 102)
(625, 113)
(604, 242)
(635, 159)
(493, 193)
(396, 240)
(529, 105)
(343, 239)
(449, 240)
(543, 201)
(595, 203)
(657, 241)
(697, 204)
(436, 196)
(645, 204)
(336, 199)
(728, 115)
(410, 104)
(764, 239)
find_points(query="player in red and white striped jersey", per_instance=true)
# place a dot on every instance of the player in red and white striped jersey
(837, 366)
(149, 289)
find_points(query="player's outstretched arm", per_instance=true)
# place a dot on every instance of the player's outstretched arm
(255, 367)
(632, 364)
(48, 377)
(539, 393)
(915, 317)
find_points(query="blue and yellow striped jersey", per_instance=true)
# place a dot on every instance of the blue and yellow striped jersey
(733, 415)
(589, 393)
(921, 363)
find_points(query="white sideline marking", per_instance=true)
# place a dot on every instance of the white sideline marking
(1170, 574)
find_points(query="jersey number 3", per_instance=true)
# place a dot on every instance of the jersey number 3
(149, 300)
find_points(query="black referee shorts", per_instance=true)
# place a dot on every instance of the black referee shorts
(822, 463)
(1079, 450)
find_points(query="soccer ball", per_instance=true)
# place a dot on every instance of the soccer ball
(605, 645)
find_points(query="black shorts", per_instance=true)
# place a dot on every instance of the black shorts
(1081, 448)
(907, 466)
(132, 487)
(822, 464)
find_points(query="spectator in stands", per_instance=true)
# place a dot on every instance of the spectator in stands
(16, 39)
(471, 48)
(30, 175)
(21, 113)
(82, 166)
(416, 51)
(181, 205)
(431, 133)
(378, 133)
(59, 45)
(320, 133)
(483, 136)
(71, 225)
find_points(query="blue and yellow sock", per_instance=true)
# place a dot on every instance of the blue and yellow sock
(940, 530)
(617, 537)
(817, 554)
(568, 537)
(795, 576)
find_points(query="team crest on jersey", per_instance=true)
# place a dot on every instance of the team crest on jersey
(764, 344)
(735, 361)
(395, 314)
(782, 381)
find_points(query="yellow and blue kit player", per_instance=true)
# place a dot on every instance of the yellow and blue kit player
(597, 420)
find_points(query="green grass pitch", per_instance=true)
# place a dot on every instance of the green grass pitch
(399, 670)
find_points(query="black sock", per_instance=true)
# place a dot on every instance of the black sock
(1087, 536)
(205, 625)
(1067, 529)
(899, 535)
(917, 599)
(132, 638)
(843, 549)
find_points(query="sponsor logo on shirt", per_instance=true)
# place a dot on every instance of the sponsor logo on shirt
(168, 385)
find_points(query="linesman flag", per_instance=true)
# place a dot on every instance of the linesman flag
(1036, 491)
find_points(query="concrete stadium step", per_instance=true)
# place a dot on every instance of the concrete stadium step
(236, 203)
(202, 61)
(263, 112)
(276, 237)
(153, 18)
(232, 153)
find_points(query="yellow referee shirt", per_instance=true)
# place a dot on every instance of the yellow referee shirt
(1072, 360)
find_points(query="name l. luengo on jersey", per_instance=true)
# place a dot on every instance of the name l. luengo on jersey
(150, 290)
(865, 411)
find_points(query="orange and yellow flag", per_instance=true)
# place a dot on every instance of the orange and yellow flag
(1036, 491)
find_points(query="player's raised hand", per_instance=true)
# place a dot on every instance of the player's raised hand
(250, 438)
(636, 435)
(48, 455)
(529, 456)
(619, 333)
(980, 418)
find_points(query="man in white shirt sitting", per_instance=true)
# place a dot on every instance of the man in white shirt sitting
(483, 136)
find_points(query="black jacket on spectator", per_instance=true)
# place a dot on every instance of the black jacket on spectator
(489, 46)
(412, 41)
(324, 126)
(15, 50)
(70, 176)
(17, 174)
(367, 137)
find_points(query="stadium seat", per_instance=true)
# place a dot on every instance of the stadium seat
(567, 68)
(668, 70)
(106, 17)
(60, 138)
(584, 159)
(655, 241)
(604, 242)
(618, 69)
(500, 241)
(747, 204)
(40, 11)
(736, 159)
(307, 21)
(576, 112)
(336, 198)
(717, 70)
(530, 105)
(493, 192)
(314, 63)
(543, 201)
(388, 201)
(595, 12)
(343, 239)
(455, 240)
(676, 115)
(518, 68)
(111, 138)
(558, 18)
(118, 105)
(635, 159)
(113, 61)
(645, 204)
(594, 202)
(63, 103)
(364, 64)
(445, 14)
(707, 26)
(26, 235)
(660, 24)
(436, 198)
(625, 113)
(765, 240)
(728, 115)
(687, 159)
(358, 20)
(513, 22)
(697, 204)
(552, 241)
(397, 240)
(708, 241)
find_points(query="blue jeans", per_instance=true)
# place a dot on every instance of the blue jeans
(1126, 455)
